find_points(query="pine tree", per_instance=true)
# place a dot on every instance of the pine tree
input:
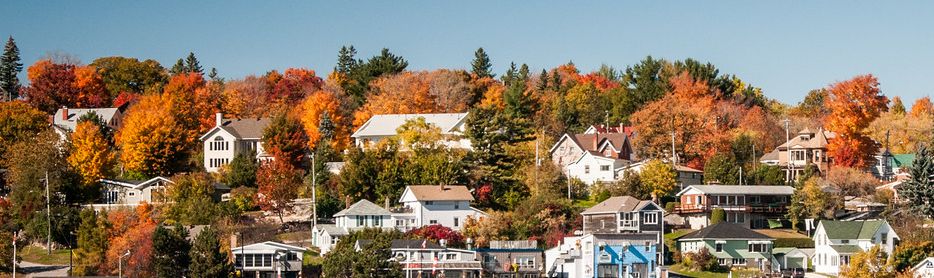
(192, 65)
(543, 81)
(511, 75)
(481, 64)
(207, 259)
(213, 75)
(326, 126)
(345, 60)
(10, 66)
(524, 73)
(170, 250)
(918, 191)
(556, 80)
(92, 243)
(178, 68)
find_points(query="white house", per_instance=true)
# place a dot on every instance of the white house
(269, 259)
(570, 148)
(131, 193)
(419, 258)
(446, 205)
(686, 175)
(592, 167)
(924, 269)
(836, 241)
(379, 127)
(231, 137)
(67, 118)
(362, 214)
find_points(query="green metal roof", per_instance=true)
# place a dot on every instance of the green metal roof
(846, 249)
(851, 229)
(903, 160)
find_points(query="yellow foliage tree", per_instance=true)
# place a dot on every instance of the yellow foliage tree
(658, 177)
(870, 263)
(404, 93)
(91, 155)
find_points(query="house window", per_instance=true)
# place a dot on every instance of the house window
(721, 261)
(456, 222)
(604, 168)
(450, 257)
(377, 221)
(648, 246)
(740, 261)
(719, 247)
(361, 221)
(845, 241)
(249, 260)
(884, 238)
(457, 205)
(400, 222)
(526, 262)
(607, 271)
(131, 194)
(735, 217)
(432, 222)
(651, 218)
(586, 169)
(758, 247)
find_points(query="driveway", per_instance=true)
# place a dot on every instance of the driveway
(41, 270)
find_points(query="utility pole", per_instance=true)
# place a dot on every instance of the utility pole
(48, 213)
(314, 196)
(788, 168)
(569, 184)
(14, 254)
(674, 155)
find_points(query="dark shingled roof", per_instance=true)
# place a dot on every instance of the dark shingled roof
(724, 230)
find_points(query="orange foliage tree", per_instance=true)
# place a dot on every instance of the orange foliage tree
(922, 106)
(285, 140)
(292, 86)
(404, 93)
(91, 89)
(55, 85)
(310, 111)
(152, 139)
(131, 231)
(246, 98)
(853, 105)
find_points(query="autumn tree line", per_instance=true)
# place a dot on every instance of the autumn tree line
(720, 124)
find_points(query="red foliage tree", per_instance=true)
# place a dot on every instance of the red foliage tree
(278, 185)
(286, 140)
(437, 232)
(292, 86)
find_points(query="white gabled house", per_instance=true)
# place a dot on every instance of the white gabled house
(379, 127)
(593, 167)
(231, 137)
(835, 242)
(269, 259)
(360, 215)
(446, 205)
(131, 193)
(65, 119)
(924, 269)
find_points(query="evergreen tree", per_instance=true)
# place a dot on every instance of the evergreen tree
(345, 60)
(511, 74)
(92, 243)
(178, 68)
(918, 191)
(363, 72)
(170, 250)
(519, 109)
(192, 65)
(10, 66)
(326, 126)
(492, 166)
(207, 258)
(556, 80)
(213, 75)
(543, 81)
(481, 65)
(524, 73)
(242, 170)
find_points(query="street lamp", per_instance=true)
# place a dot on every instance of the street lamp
(120, 264)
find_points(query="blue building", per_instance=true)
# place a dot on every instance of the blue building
(604, 256)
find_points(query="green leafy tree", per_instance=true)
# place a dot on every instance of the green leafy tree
(18, 121)
(191, 200)
(363, 72)
(811, 201)
(918, 191)
(481, 65)
(723, 169)
(869, 263)
(909, 254)
(717, 215)
(766, 175)
(10, 66)
(242, 170)
(170, 248)
(28, 162)
(208, 260)
(123, 74)
(92, 243)
(345, 261)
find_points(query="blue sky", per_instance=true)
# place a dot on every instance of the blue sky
(786, 48)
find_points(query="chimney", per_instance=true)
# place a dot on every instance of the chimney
(595, 140)
(386, 203)
(64, 113)
(219, 118)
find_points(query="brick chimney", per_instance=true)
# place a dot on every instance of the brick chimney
(595, 140)
(218, 118)
(64, 113)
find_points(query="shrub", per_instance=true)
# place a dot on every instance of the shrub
(717, 216)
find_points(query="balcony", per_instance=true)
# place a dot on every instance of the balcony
(755, 208)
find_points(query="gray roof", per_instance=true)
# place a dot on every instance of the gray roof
(386, 125)
(725, 230)
(74, 114)
(772, 156)
(363, 207)
(333, 230)
(743, 189)
(617, 204)
(242, 128)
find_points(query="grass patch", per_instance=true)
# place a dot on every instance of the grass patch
(312, 259)
(585, 204)
(39, 255)
(680, 269)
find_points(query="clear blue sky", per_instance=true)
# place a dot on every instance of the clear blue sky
(786, 48)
